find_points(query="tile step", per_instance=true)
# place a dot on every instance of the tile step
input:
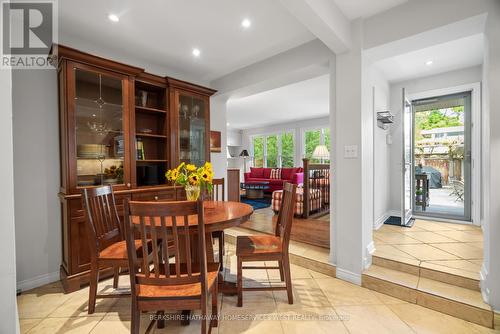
(463, 303)
(432, 272)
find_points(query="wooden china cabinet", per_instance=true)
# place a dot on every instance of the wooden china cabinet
(120, 126)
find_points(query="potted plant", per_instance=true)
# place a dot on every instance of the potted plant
(419, 195)
(193, 179)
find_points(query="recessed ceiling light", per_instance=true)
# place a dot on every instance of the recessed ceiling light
(246, 23)
(227, 124)
(429, 62)
(113, 18)
(196, 52)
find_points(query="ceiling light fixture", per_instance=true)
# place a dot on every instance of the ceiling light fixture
(196, 52)
(246, 23)
(429, 62)
(113, 18)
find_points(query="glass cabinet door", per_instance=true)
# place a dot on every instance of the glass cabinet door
(99, 122)
(192, 129)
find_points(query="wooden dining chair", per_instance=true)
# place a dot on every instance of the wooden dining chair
(106, 239)
(184, 284)
(218, 195)
(269, 248)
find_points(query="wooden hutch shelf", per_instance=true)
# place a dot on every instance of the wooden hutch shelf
(121, 126)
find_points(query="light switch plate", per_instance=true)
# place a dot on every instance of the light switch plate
(351, 151)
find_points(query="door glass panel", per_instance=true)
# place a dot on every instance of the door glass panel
(272, 151)
(258, 151)
(192, 130)
(442, 155)
(287, 150)
(100, 145)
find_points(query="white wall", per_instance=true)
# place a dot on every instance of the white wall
(379, 94)
(297, 127)
(36, 177)
(443, 80)
(218, 123)
(8, 315)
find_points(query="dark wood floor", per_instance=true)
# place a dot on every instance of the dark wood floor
(312, 231)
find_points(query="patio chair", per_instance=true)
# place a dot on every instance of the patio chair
(458, 190)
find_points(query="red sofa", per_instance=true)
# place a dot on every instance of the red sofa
(293, 175)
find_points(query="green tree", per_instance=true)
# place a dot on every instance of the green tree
(287, 149)
(437, 118)
(258, 151)
(272, 151)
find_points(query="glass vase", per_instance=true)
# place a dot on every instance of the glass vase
(192, 192)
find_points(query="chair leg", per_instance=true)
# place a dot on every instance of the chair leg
(221, 251)
(204, 319)
(288, 279)
(215, 307)
(240, 282)
(116, 277)
(94, 278)
(136, 319)
(282, 274)
(161, 319)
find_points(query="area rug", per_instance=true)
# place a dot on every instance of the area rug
(258, 203)
(393, 220)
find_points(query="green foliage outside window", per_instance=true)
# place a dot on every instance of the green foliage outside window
(287, 150)
(438, 118)
(272, 151)
(258, 151)
(312, 139)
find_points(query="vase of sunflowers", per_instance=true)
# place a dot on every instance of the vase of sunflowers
(195, 180)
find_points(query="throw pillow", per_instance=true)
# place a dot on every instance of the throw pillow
(275, 173)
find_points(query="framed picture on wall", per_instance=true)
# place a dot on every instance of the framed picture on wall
(215, 144)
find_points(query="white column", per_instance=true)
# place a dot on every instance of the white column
(491, 159)
(9, 320)
(352, 195)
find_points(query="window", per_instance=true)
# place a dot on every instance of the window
(287, 150)
(258, 151)
(274, 150)
(313, 138)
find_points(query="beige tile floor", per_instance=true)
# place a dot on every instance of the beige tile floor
(322, 305)
(453, 248)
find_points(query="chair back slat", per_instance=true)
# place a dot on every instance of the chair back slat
(101, 216)
(285, 216)
(174, 224)
(218, 190)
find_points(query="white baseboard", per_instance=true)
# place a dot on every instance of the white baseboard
(37, 281)
(380, 221)
(348, 276)
(485, 292)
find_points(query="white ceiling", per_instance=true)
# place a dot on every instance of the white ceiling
(457, 54)
(354, 9)
(166, 31)
(299, 101)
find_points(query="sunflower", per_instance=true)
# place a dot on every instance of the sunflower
(190, 168)
(174, 174)
(206, 176)
(194, 179)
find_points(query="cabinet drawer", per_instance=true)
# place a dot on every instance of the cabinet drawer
(155, 196)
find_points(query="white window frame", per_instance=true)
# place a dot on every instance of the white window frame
(280, 152)
(321, 137)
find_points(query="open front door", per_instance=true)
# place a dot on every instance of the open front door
(407, 162)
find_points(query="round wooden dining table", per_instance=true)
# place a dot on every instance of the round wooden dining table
(218, 216)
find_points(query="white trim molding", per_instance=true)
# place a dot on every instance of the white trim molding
(348, 276)
(37, 281)
(380, 220)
